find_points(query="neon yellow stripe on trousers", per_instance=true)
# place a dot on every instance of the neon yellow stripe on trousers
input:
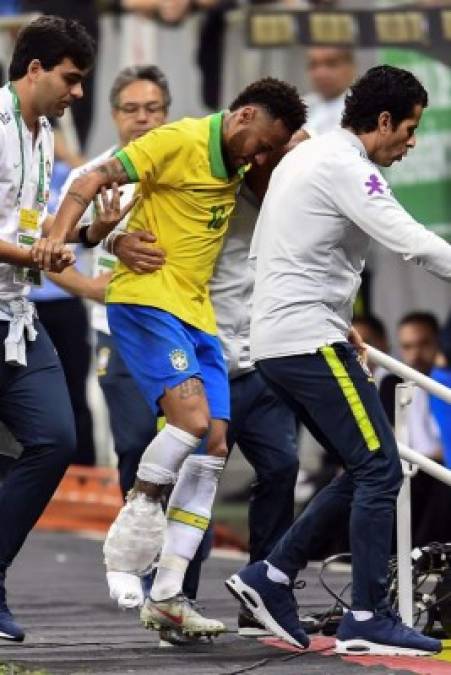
(188, 518)
(352, 396)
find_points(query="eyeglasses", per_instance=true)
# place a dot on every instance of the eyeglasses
(134, 108)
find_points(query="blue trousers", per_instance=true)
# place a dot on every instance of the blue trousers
(338, 401)
(132, 422)
(35, 406)
(265, 429)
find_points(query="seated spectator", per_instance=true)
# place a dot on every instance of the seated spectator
(440, 409)
(418, 342)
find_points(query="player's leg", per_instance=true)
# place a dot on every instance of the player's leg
(265, 428)
(190, 505)
(35, 405)
(161, 357)
(267, 439)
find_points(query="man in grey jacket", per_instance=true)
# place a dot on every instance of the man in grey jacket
(326, 200)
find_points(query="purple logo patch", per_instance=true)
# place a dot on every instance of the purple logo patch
(374, 185)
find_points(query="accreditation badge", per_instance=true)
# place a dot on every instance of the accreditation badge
(29, 232)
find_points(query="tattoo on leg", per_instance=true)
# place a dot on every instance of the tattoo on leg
(191, 387)
(79, 198)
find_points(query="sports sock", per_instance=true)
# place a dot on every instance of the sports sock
(362, 615)
(276, 575)
(188, 516)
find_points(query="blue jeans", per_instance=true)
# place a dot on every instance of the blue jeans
(338, 401)
(132, 422)
(265, 429)
(35, 406)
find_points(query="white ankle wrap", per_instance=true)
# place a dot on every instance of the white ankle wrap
(164, 455)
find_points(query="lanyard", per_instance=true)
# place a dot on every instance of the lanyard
(18, 119)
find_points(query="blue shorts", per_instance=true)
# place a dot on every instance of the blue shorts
(161, 352)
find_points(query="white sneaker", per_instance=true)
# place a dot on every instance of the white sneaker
(178, 613)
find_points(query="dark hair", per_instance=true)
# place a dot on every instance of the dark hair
(51, 39)
(279, 99)
(424, 318)
(382, 88)
(133, 73)
(373, 323)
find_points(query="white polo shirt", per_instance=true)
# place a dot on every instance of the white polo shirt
(325, 201)
(232, 284)
(24, 184)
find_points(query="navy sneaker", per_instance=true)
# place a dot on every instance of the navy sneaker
(250, 627)
(9, 629)
(271, 603)
(384, 634)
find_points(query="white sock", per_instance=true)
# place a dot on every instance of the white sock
(276, 575)
(188, 516)
(362, 614)
(163, 457)
(170, 575)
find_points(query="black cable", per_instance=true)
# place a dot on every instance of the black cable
(328, 561)
(276, 659)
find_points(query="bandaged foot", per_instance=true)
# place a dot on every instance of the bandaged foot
(126, 589)
(133, 542)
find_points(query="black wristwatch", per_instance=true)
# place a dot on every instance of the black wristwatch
(82, 235)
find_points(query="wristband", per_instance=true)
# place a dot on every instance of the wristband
(111, 240)
(83, 237)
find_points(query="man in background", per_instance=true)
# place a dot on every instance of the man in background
(331, 71)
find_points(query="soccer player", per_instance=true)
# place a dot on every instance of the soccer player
(326, 200)
(51, 56)
(261, 423)
(140, 100)
(164, 325)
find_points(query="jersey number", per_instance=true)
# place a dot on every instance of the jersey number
(218, 217)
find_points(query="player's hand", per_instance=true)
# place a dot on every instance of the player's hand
(51, 255)
(135, 251)
(109, 212)
(356, 340)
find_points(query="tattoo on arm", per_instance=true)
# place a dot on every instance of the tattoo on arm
(76, 196)
(113, 172)
(189, 388)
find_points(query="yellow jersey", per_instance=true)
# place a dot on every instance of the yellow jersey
(187, 198)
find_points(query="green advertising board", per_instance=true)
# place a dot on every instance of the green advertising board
(422, 181)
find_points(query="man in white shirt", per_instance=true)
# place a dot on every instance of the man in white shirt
(50, 58)
(326, 199)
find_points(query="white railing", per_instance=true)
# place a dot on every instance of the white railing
(411, 462)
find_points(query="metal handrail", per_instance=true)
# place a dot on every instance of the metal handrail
(408, 373)
(409, 457)
(424, 463)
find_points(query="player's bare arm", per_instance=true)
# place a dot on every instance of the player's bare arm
(83, 286)
(79, 196)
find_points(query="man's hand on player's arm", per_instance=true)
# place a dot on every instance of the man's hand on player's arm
(22, 257)
(77, 199)
(135, 251)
